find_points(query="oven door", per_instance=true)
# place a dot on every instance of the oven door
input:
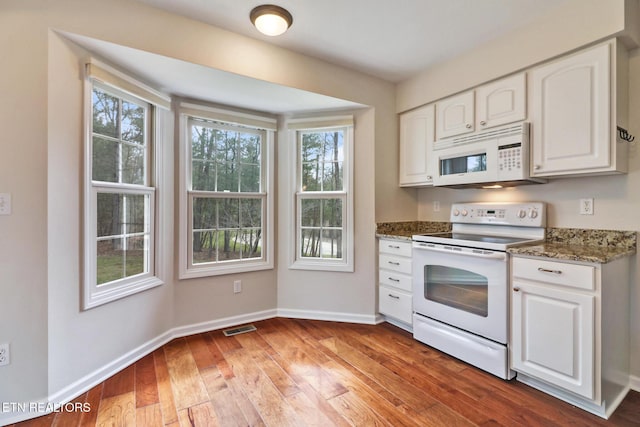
(462, 287)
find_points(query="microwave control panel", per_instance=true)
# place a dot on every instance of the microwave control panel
(510, 159)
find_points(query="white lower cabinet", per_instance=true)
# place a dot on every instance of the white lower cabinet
(570, 330)
(394, 277)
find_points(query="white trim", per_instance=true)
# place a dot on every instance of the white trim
(634, 383)
(320, 122)
(94, 378)
(187, 270)
(112, 77)
(228, 115)
(397, 323)
(347, 263)
(214, 325)
(331, 316)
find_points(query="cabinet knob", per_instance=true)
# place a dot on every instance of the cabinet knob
(537, 167)
(483, 123)
(468, 126)
(394, 246)
(394, 263)
(394, 280)
(516, 289)
(394, 296)
(429, 178)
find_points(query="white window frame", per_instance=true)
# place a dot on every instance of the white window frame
(266, 125)
(119, 84)
(322, 124)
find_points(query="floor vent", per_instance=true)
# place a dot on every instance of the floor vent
(238, 330)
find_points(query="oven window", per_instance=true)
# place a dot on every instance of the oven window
(457, 288)
(471, 163)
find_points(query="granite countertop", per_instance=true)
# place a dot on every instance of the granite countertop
(569, 244)
(572, 244)
(403, 230)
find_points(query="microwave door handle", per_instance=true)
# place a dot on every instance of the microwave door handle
(470, 253)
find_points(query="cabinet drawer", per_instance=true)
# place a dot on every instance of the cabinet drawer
(395, 263)
(396, 280)
(558, 273)
(395, 247)
(396, 304)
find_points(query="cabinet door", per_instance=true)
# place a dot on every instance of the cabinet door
(570, 114)
(553, 336)
(416, 143)
(455, 115)
(501, 102)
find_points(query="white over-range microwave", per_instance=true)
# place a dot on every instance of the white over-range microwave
(493, 158)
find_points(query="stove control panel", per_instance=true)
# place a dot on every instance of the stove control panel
(529, 214)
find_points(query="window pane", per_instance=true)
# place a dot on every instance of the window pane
(332, 213)
(311, 176)
(250, 148)
(110, 262)
(310, 212)
(312, 146)
(109, 214)
(251, 243)
(250, 178)
(203, 143)
(133, 122)
(135, 255)
(332, 179)
(227, 156)
(135, 215)
(332, 244)
(229, 213)
(251, 213)
(230, 245)
(205, 214)
(310, 243)
(203, 175)
(133, 164)
(205, 246)
(105, 113)
(333, 146)
(105, 160)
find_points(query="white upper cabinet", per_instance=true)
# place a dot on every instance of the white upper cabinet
(574, 107)
(493, 104)
(501, 102)
(416, 142)
(455, 115)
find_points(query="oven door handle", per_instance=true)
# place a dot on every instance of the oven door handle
(478, 253)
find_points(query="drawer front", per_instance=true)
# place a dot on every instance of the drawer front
(394, 247)
(558, 273)
(396, 304)
(395, 263)
(396, 280)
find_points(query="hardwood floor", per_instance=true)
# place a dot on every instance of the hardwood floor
(299, 372)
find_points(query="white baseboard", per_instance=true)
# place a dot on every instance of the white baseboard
(331, 316)
(634, 383)
(197, 328)
(89, 381)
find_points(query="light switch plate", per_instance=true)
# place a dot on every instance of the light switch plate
(5, 204)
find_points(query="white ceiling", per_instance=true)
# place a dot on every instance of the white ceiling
(390, 39)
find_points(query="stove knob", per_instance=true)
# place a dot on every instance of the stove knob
(522, 213)
(464, 212)
(456, 212)
(533, 213)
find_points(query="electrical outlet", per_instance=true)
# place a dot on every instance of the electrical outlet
(5, 357)
(436, 206)
(586, 206)
(237, 286)
(5, 204)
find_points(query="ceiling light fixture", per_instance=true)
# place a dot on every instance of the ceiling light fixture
(271, 20)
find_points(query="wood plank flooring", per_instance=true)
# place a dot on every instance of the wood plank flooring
(312, 373)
